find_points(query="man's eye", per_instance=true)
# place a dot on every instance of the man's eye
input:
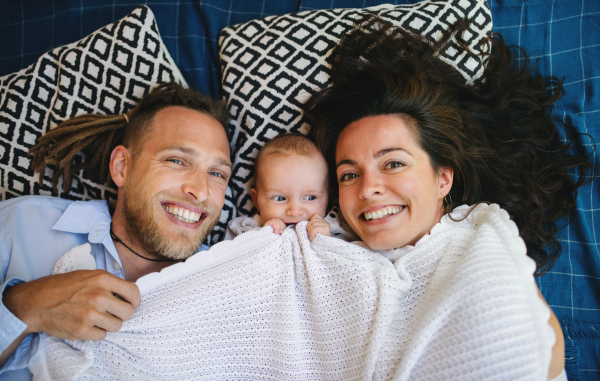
(217, 174)
(347, 176)
(176, 161)
(278, 198)
(310, 198)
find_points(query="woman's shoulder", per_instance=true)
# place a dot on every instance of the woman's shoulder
(478, 214)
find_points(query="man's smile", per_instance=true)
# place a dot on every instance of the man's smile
(183, 214)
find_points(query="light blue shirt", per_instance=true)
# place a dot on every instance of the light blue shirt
(35, 231)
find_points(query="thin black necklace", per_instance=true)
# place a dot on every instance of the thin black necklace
(117, 239)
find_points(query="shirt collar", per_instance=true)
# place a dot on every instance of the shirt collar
(86, 217)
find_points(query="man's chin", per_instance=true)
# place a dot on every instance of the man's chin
(182, 246)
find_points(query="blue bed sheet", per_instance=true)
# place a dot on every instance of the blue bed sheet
(564, 35)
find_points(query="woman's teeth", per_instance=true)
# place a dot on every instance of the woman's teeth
(183, 214)
(384, 212)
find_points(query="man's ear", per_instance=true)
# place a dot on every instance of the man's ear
(446, 176)
(120, 160)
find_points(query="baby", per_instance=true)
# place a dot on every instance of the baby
(291, 184)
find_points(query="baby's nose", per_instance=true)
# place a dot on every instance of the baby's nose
(294, 210)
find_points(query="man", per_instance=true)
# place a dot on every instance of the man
(171, 171)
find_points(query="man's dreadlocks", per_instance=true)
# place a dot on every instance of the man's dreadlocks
(95, 136)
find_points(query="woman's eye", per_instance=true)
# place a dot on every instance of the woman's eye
(347, 176)
(279, 198)
(393, 164)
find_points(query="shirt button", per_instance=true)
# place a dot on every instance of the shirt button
(117, 266)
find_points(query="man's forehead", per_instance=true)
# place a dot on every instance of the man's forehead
(172, 119)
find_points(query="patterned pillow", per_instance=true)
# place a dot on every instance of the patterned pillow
(270, 66)
(107, 72)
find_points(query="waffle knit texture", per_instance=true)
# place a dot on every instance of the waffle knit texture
(459, 305)
(243, 224)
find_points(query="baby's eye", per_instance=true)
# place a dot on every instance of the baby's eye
(278, 198)
(310, 198)
(347, 176)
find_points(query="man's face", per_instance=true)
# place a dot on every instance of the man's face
(175, 187)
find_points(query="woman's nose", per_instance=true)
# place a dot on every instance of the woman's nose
(371, 185)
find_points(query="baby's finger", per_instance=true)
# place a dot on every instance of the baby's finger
(277, 225)
(315, 218)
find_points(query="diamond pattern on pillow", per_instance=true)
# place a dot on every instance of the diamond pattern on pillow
(107, 72)
(271, 66)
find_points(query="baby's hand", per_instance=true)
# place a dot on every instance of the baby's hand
(316, 224)
(277, 225)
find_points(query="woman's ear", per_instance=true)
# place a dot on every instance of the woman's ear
(119, 165)
(446, 176)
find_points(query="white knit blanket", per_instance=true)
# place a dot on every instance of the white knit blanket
(460, 305)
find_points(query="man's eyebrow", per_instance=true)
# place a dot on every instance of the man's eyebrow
(191, 152)
(377, 155)
(182, 149)
(225, 163)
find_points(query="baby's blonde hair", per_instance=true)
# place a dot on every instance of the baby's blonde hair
(291, 143)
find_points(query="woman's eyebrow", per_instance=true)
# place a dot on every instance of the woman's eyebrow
(377, 155)
(345, 161)
(385, 151)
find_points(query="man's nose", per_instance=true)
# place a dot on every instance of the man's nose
(196, 186)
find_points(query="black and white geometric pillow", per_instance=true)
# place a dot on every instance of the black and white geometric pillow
(106, 72)
(271, 66)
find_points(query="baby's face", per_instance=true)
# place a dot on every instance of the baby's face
(292, 188)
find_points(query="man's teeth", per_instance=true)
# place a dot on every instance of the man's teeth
(183, 214)
(384, 212)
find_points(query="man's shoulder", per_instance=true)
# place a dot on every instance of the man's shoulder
(44, 202)
(43, 205)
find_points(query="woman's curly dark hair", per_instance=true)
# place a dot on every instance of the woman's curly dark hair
(95, 135)
(497, 134)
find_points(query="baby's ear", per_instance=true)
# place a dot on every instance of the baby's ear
(254, 198)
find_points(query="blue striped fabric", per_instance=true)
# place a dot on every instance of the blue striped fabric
(563, 34)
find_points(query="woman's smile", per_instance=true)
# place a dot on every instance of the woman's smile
(390, 194)
(381, 213)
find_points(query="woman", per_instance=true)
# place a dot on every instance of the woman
(408, 142)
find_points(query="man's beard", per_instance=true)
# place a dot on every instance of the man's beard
(142, 224)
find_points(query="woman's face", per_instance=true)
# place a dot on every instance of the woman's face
(390, 194)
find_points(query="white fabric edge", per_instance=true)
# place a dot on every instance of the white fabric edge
(219, 253)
